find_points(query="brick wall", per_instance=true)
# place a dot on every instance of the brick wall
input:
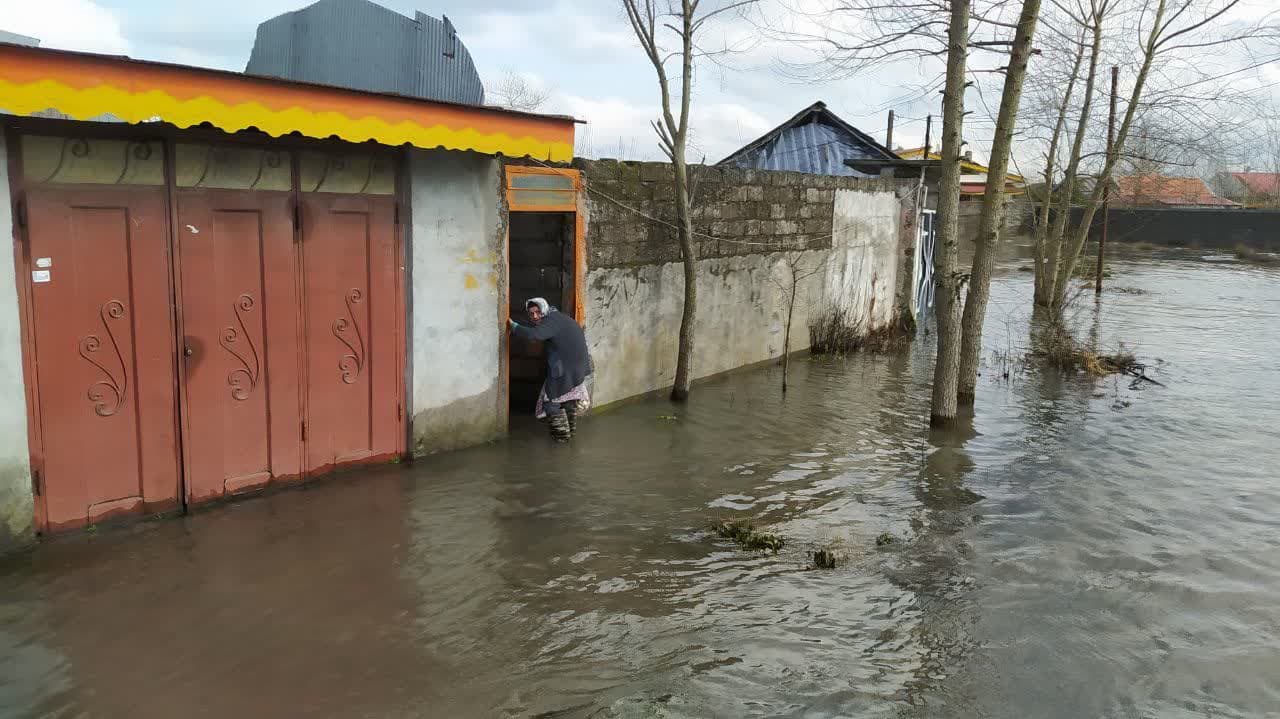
(735, 211)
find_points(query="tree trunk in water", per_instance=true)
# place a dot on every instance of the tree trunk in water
(684, 357)
(1043, 286)
(1067, 264)
(786, 337)
(946, 252)
(992, 217)
(678, 137)
(1049, 291)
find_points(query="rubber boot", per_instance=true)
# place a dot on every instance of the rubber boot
(571, 411)
(559, 424)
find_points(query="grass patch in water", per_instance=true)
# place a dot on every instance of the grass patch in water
(1055, 347)
(744, 533)
(1089, 271)
(833, 332)
(826, 559)
(1059, 348)
(885, 539)
(1244, 253)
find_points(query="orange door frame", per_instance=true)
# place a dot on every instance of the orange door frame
(519, 201)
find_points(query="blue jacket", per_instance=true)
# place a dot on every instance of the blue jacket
(568, 360)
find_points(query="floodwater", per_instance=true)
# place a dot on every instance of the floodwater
(1085, 549)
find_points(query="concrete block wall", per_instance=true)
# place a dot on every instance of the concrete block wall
(749, 225)
(1018, 213)
(735, 211)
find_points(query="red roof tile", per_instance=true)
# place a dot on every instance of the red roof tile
(1164, 190)
(1259, 183)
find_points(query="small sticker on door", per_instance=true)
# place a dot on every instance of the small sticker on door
(44, 262)
(39, 275)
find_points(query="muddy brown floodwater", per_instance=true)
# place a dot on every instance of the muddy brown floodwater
(1085, 549)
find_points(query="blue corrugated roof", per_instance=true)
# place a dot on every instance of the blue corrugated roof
(815, 141)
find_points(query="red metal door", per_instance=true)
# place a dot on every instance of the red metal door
(351, 308)
(240, 318)
(102, 326)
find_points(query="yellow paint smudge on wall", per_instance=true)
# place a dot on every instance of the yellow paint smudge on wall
(472, 257)
(471, 282)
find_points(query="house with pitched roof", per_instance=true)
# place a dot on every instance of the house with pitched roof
(1251, 189)
(973, 175)
(1155, 190)
(815, 141)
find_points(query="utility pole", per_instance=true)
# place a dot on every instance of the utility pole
(1106, 191)
(928, 129)
(888, 135)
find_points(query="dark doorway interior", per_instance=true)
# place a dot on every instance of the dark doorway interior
(541, 266)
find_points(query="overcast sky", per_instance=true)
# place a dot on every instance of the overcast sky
(581, 51)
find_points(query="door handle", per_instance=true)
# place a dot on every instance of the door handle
(188, 351)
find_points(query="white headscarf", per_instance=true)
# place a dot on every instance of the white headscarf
(541, 303)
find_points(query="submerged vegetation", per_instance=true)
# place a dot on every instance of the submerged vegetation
(1055, 346)
(743, 532)
(832, 332)
(1088, 271)
(1248, 254)
(825, 559)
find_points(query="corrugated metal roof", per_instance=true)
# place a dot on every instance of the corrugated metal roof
(364, 46)
(815, 141)
(16, 39)
(813, 148)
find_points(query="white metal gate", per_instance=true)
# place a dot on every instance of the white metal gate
(922, 299)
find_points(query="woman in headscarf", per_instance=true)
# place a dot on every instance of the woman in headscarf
(564, 395)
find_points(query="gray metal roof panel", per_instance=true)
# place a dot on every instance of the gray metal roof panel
(361, 45)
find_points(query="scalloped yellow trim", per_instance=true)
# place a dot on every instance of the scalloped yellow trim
(83, 104)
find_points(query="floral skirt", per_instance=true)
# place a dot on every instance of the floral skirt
(579, 393)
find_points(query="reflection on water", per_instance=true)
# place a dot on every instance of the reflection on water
(1079, 549)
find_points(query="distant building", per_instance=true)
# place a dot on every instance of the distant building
(1251, 189)
(815, 141)
(973, 176)
(364, 46)
(1153, 190)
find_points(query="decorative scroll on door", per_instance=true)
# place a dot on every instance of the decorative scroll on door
(107, 394)
(243, 379)
(351, 365)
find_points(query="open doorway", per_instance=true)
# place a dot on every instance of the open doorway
(542, 265)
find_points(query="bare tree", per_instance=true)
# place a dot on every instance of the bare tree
(1176, 37)
(515, 92)
(789, 285)
(992, 214)
(1093, 22)
(1058, 106)
(851, 36)
(655, 21)
(946, 372)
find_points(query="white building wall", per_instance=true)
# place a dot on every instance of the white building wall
(633, 313)
(458, 393)
(16, 500)
(862, 271)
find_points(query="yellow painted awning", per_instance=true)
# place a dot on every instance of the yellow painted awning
(86, 86)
